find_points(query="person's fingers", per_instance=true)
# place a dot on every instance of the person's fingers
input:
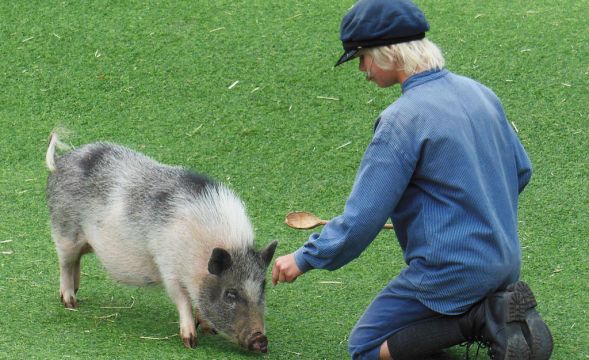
(275, 273)
(291, 277)
(282, 277)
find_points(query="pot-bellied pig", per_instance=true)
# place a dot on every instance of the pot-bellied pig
(149, 223)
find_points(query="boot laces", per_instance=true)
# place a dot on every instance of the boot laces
(481, 344)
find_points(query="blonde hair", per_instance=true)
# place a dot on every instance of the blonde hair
(410, 57)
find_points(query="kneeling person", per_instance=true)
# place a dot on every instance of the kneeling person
(447, 168)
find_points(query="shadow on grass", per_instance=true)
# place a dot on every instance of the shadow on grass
(136, 317)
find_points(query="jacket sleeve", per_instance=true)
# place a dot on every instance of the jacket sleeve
(523, 163)
(383, 175)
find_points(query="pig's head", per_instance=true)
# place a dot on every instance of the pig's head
(232, 295)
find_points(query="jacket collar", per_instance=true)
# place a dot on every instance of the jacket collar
(422, 77)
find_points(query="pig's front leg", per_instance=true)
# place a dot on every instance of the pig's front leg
(204, 325)
(182, 300)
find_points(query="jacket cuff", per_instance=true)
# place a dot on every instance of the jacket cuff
(302, 264)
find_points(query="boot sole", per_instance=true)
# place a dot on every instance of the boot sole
(517, 347)
(522, 314)
(519, 302)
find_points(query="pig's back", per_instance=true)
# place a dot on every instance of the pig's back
(101, 176)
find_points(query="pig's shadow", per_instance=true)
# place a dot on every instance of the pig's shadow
(146, 313)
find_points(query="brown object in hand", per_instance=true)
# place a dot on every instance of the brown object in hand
(305, 220)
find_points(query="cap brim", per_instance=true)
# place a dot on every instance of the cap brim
(348, 55)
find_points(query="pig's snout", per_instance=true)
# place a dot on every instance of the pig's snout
(258, 342)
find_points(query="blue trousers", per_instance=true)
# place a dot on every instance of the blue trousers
(388, 313)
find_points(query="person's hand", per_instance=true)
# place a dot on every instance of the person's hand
(285, 269)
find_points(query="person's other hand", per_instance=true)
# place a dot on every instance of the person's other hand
(285, 269)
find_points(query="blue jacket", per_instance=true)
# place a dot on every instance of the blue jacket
(445, 165)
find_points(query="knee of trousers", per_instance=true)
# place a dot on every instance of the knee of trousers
(356, 339)
(361, 345)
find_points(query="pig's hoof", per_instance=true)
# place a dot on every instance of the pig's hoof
(209, 331)
(206, 328)
(69, 302)
(190, 342)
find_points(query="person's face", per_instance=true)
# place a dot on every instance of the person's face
(382, 78)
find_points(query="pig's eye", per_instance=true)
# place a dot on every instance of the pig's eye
(230, 295)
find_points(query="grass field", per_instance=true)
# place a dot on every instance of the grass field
(288, 135)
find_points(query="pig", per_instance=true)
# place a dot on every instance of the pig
(151, 223)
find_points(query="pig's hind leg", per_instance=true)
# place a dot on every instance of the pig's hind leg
(85, 249)
(69, 252)
(180, 297)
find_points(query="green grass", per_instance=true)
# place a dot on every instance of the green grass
(155, 76)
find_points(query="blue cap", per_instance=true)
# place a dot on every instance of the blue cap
(371, 23)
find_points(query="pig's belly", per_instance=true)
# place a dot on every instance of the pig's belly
(131, 270)
(125, 259)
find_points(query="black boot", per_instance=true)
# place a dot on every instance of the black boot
(508, 324)
(535, 330)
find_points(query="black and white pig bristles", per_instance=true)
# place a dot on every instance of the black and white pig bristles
(151, 223)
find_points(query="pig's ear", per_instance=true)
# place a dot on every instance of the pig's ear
(268, 252)
(220, 261)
